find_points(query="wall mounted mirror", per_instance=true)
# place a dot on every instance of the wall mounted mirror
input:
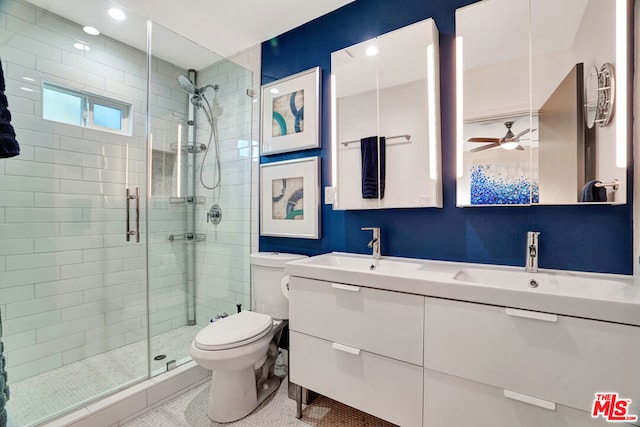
(541, 102)
(386, 121)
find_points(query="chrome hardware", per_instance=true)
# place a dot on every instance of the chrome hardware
(375, 242)
(135, 232)
(531, 264)
(215, 214)
(188, 237)
(188, 199)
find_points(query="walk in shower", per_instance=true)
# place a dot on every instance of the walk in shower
(125, 222)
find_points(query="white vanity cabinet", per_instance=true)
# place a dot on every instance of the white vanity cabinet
(496, 366)
(360, 346)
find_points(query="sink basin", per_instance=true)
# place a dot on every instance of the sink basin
(549, 283)
(362, 263)
(600, 296)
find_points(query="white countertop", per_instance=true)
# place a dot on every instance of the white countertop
(609, 297)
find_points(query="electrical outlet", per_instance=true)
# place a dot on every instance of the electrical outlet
(424, 200)
(329, 195)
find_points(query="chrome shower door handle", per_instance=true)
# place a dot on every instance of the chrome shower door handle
(137, 215)
(135, 232)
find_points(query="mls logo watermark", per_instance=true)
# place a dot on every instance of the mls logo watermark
(612, 408)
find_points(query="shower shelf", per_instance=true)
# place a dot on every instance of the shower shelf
(188, 237)
(198, 200)
(190, 147)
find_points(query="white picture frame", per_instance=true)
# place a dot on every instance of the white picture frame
(290, 198)
(290, 112)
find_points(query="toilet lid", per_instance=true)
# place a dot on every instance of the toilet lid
(234, 331)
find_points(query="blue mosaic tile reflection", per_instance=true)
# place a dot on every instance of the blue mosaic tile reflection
(496, 189)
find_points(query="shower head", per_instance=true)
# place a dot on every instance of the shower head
(186, 84)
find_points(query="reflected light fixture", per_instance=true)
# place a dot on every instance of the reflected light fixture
(274, 90)
(81, 46)
(372, 51)
(509, 145)
(93, 31)
(117, 14)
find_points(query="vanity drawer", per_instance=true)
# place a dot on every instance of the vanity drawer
(558, 358)
(383, 387)
(382, 322)
(453, 401)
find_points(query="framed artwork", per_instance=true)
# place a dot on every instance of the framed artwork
(291, 113)
(290, 198)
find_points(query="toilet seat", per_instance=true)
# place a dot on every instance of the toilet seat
(234, 331)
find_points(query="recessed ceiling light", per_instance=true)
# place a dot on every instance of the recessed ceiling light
(81, 46)
(274, 90)
(117, 14)
(372, 51)
(91, 30)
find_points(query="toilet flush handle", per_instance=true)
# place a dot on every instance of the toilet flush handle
(284, 286)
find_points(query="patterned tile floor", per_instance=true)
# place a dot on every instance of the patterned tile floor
(57, 390)
(190, 410)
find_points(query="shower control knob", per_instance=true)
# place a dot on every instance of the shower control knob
(215, 214)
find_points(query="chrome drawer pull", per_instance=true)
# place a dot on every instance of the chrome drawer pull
(531, 315)
(545, 404)
(345, 287)
(346, 348)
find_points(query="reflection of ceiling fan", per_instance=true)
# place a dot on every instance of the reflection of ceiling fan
(507, 142)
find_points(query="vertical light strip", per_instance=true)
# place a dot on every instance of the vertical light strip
(126, 166)
(621, 83)
(431, 99)
(334, 133)
(179, 160)
(459, 108)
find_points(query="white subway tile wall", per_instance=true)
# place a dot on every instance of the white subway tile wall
(70, 286)
(222, 261)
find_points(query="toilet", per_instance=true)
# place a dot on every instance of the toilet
(241, 349)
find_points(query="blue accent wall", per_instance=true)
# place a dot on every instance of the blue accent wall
(585, 238)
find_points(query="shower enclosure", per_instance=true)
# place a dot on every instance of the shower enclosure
(113, 253)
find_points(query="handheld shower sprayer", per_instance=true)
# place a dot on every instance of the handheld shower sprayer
(199, 101)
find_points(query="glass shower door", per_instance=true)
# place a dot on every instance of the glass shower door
(73, 290)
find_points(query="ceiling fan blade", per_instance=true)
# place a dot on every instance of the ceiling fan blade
(496, 140)
(485, 147)
(520, 147)
(515, 137)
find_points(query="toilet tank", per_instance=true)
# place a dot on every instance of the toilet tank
(267, 272)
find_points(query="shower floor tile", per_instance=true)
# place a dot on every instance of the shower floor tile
(190, 409)
(47, 394)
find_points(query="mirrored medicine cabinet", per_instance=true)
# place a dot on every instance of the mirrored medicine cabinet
(386, 121)
(542, 102)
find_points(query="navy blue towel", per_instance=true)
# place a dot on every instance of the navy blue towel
(8, 145)
(370, 153)
(592, 193)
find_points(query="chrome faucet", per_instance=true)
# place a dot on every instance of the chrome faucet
(531, 264)
(375, 241)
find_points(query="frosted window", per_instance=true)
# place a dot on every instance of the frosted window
(107, 117)
(62, 107)
(80, 108)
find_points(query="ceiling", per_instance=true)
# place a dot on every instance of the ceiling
(224, 27)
